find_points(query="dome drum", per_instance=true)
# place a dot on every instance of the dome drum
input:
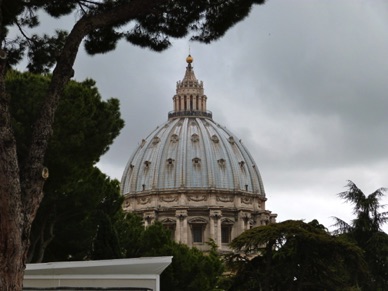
(196, 226)
(194, 198)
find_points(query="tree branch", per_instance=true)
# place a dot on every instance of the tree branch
(31, 178)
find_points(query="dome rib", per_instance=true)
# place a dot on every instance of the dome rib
(183, 154)
(208, 157)
(229, 158)
(256, 177)
(215, 153)
(159, 149)
(170, 151)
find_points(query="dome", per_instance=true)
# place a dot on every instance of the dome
(195, 176)
(191, 152)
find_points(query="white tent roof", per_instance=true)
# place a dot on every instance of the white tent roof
(140, 266)
(140, 273)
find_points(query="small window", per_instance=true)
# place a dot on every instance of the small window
(221, 163)
(143, 142)
(226, 231)
(214, 138)
(155, 140)
(197, 233)
(174, 138)
(196, 162)
(194, 137)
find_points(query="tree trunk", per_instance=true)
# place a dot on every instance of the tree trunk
(11, 221)
(268, 265)
(12, 256)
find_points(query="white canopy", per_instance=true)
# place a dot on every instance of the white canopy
(138, 272)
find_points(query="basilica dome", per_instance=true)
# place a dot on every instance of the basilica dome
(191, 172)
(191, 152)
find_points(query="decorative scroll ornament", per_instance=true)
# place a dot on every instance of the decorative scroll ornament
(225, 198)
(144, 200)
(197, 197)
(127, 203)
(246, 200)
(168, 198)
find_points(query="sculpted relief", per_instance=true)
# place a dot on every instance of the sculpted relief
(168, 198)
(225, 198)
(197, 197)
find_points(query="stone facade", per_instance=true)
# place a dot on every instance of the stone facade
(195, 216)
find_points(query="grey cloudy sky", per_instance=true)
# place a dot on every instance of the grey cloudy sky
(303, 83)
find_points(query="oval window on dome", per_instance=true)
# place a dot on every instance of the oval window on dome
(215, 138)
(174, 138)
(194, 137)
(221, 163)
(143, 142)
(196, 162)
(170, 162)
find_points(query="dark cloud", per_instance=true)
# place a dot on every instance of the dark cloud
(302, 83)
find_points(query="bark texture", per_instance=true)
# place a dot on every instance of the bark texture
(11, 219)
